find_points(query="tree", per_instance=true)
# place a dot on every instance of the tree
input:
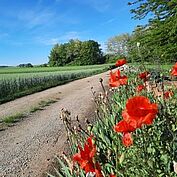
(76, 52)
(161, 9)
(90, 53)
(53, 56)
(159, 35)
(118, 44)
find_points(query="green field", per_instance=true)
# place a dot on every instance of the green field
(13, 70)
(16, 82)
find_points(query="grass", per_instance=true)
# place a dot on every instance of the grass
(17, 82)
(13, 118)
(15, 70)
(46, 103)
(165, 67)
(19, 116)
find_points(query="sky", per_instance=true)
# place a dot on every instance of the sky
(30, 28)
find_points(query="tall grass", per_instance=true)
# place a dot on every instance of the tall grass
(16, 85)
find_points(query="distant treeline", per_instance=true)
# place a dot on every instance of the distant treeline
(4, 66)
(28, 65)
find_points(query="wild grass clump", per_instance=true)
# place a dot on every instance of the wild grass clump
(133, 134)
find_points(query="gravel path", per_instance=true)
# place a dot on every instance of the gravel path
(27, 148)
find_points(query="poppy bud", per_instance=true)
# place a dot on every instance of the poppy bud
(101, 80)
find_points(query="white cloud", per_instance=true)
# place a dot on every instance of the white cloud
(108, 21)
(70, 35)
(33, 18)
(51, 41)
(61, 39)
(98, 5)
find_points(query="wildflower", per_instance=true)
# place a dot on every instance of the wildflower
(168, 94)
(175, 166)
(174, 70)
(127, 139)
(120, 62)
(138, 44)
(139, 88)
(124, 127)
(144, 76)
(85, 157)
(98, 170)
(116, 79)
(90, 174)
(112, 175)
(139, 111)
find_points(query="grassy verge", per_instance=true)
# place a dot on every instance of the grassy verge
(10, 120)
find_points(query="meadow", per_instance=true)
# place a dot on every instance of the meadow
(16, 82)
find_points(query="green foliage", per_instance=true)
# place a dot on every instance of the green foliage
(76, 52)
(157, 38)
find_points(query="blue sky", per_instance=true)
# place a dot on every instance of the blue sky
(30, 28)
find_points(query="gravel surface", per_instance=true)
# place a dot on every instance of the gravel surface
(27, 149)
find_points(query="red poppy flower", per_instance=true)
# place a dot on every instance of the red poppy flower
(139, 111)
(168, 94)
(174, 70)
(98, 170)
(127, 139)
(116, 80)
(85, 157)
(124, 127)
(111, 175)
(120, 62)
(144, 75)
(139, 88)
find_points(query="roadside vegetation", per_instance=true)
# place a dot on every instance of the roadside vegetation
(134, 130)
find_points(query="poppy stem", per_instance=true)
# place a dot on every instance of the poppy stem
(101, 82)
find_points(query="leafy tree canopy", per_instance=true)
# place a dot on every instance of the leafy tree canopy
(76, 52)
(158, 38)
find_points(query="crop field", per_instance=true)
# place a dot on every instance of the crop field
(16, 82)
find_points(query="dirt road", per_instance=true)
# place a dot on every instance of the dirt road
(27, 148)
